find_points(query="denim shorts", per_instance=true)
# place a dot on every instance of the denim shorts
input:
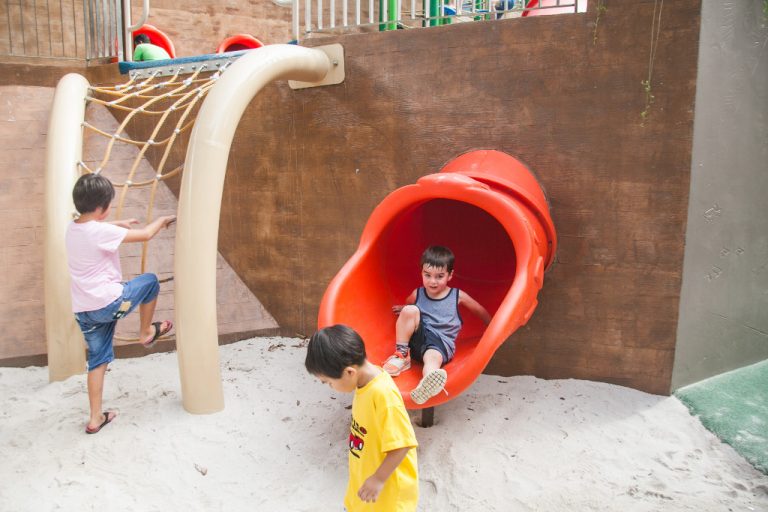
(424, 339)
(98, 326)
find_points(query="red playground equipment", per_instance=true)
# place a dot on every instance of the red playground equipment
(158, 38)
(239, 42)
(552, 7)
(487, 207)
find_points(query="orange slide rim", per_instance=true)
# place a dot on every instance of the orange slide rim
(514, 310)
(240, 42)
(157, 37)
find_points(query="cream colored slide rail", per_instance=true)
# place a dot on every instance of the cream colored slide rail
(202, 187)
(64, 147)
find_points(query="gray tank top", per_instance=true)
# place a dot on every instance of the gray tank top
(441, 316)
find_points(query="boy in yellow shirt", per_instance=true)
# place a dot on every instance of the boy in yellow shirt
(383, 473)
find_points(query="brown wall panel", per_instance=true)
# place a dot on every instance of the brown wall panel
(308, 167)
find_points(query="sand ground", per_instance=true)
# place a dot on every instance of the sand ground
(508, 444)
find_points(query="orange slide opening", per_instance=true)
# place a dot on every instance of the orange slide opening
(239, 42)
(487, 207)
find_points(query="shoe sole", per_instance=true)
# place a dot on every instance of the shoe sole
(432, 384)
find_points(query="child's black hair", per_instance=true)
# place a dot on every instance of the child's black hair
(438, 256)
(141, 39)
(332, 349)
(92, 191)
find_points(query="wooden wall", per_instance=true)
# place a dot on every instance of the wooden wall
(26, 91)
(308, 167)
(23, 131)
(562, 93)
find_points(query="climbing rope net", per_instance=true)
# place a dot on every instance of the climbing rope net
(163, 106)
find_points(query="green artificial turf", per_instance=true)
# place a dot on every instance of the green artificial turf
(734, 406)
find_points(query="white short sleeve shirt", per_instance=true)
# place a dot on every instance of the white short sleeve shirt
(94, 264)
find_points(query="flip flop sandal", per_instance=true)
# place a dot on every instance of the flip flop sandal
(158, 332)
(107, 419)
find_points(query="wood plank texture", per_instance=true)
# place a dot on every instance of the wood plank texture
(308, 167)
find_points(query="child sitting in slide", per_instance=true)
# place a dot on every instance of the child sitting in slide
(428, 325)
(145, 50)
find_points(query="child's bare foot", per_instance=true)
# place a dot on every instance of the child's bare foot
(156, 330)
(99, 423)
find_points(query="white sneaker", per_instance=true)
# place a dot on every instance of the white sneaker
(397, 363)
(429, 386)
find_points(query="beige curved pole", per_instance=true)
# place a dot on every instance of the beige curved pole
(64, 147)
(202, 186)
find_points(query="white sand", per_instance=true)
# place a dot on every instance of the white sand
(508, 444)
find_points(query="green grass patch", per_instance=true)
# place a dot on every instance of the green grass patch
(734, 406)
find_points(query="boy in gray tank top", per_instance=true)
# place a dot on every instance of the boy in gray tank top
(427, 326)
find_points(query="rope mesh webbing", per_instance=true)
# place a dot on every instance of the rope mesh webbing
(169, 107)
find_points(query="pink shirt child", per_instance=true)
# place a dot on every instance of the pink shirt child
(94, 264)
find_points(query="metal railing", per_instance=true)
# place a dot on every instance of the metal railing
(313, 16)
(62, 29)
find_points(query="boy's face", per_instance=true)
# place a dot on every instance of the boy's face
(435, 279)
(347, 383)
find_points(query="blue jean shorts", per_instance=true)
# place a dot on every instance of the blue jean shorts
(424, 339)
(98, 326)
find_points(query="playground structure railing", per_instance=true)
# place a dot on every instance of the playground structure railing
(313, 16)
(81, 30)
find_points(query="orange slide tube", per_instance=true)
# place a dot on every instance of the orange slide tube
(239, 42)
(488, 208)
(158, 38)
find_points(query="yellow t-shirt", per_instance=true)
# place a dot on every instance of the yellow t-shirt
(381, 424)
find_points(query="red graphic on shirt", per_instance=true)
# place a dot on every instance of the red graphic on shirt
(355, 443)
(356, 435)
